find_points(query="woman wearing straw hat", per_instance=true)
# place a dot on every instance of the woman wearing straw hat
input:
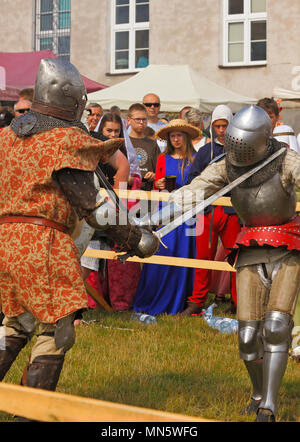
(164, 289)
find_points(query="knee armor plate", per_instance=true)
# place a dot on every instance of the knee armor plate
(277, 332)
(64, 334)
(250, 340)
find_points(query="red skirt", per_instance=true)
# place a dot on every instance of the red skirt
(287, 235)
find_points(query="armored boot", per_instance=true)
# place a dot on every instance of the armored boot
(277, 339)
(265, 416)
(192, 308)
(43, 372)
(13, 346)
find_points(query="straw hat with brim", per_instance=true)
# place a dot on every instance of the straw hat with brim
(178, 126)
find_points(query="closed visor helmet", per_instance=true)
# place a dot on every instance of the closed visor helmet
(59, 90)
(247, 136)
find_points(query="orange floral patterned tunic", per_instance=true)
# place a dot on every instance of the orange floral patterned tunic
(39, 266)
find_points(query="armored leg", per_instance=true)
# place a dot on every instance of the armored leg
(11, 349)
(47, 355)
(251, 351)
(277, 338)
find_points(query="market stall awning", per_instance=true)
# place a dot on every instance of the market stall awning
(18, 71)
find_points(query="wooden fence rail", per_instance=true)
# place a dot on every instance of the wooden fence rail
(47, 406)
(164, 196)
(165, 260)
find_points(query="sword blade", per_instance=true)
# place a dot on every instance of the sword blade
(200, 207)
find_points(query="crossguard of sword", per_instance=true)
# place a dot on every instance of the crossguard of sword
(159, 239)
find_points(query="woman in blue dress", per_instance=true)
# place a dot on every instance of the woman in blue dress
(165, 289)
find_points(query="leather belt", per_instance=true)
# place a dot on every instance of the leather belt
(34, 220)
(54, 111)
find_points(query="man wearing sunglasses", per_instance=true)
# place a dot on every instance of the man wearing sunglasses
(21, 107)
(152, 104)
(147, 150)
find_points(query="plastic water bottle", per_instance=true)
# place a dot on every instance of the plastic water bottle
(144, 318)
(229, 325)
(224, 325)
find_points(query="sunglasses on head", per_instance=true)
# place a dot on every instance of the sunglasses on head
(152, 104)
(22, 111)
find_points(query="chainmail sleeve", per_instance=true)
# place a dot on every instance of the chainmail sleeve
(79, 188)
(290, 175)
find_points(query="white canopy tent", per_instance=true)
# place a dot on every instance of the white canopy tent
(176, 85)
(286, 94)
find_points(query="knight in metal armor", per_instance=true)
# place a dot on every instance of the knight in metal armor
(47, 181)
(266, 253)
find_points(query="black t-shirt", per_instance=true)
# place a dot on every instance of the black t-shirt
(147, 151)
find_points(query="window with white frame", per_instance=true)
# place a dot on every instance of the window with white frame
(53, 26)
(130, 35)
(245, 32)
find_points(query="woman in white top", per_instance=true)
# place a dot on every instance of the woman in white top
(286, 134)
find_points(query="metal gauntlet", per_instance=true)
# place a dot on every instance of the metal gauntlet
(148, 244)
(134, 239)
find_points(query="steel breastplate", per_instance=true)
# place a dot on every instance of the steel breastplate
(267, 204)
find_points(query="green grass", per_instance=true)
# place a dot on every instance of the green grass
(179, 365)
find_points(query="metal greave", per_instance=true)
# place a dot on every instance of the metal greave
(274, 366)
(251, 351)
(255, 371)
(277, 339)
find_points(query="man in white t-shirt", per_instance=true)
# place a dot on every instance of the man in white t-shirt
(152, 104)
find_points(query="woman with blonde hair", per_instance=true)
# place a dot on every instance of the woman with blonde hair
(179, 147)
(164, 289)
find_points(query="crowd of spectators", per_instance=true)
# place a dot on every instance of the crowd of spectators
(149, 154)
(215, 230)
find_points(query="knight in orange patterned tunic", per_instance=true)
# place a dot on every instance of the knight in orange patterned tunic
(47, 164)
